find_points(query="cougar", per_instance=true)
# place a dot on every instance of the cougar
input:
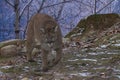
(44, 30)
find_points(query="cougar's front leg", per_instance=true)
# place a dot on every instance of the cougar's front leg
(29, 48)
(44, 56)
(58, 55)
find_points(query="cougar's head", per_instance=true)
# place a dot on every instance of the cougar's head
(50, 34)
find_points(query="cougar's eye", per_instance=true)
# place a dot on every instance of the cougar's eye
(53, 28)
(42, 30)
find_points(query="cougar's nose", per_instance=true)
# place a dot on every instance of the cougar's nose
(50, 41)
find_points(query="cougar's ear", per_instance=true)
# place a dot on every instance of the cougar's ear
(42, 30)
(56, 28)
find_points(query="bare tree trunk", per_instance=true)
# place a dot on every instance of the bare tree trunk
(18, 15)
(95, 6)
(41, 6)
(60, 12)
(28, 18)
(17, 19)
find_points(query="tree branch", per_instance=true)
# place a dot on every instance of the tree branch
(84, 3)
(57, 4)
(9, 3)
(24, 8)
(101, 2)
(105, 6)
(60, 12)
(43, 1)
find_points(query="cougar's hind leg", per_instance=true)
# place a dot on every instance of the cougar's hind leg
(58, 56)
(44, 60)
(29, 48)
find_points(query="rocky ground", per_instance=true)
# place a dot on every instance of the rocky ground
(97, 63)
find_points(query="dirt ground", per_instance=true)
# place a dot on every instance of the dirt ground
(77, 64)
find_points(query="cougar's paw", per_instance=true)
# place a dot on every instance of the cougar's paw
(44, 69)
(31, 60)
(56, 61)
(51, 63)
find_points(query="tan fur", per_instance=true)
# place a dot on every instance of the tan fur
(44, 30)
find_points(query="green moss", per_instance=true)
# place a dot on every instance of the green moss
(1, 44)
(3, 59)
(30, 64)
(115, 59)
(96, 22)
(11, 70)
(115, 37)
(101, 21)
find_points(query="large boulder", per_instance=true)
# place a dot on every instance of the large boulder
(10, 50)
